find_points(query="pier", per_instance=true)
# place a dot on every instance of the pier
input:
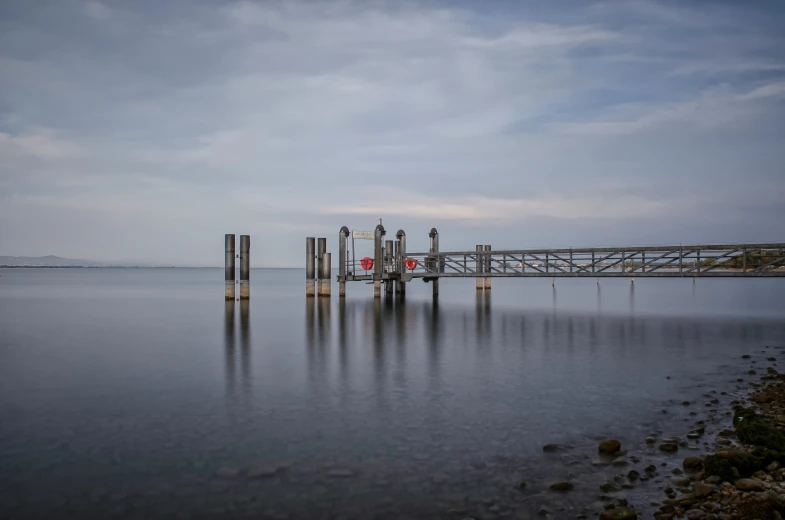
(392, 266)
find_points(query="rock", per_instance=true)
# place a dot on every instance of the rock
(522, 486)
(701, 490)
(651, 468)
(685, 403)
(681, 481)
(609, 447)
(750, 484)
(677, 471)
(774, 466)
(340, 473)
(544, 511)
(263, 471)
(746, 356)
(551, 448)
(609, 487)
(562, 486)
(669, 447)
(752, 372)
(695, 514)
(619, 513)
(650, 440)
(633, 475)
(692, 463)
(621, 461)
(714, 479)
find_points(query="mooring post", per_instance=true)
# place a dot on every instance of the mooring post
(478, 281)
(436, 262)
(229, 267)
(321, 249)
(487, 267)
(401, 261)
(343, 258)
(389, 287)
(378, 259)
(245, 267)
(325, 283)
(310, 266)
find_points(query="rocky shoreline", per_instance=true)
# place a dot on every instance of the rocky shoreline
(742, 474)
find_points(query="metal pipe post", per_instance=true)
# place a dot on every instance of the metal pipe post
(343, 259)
(434, 235)
(229, 266)
(324, 276)
(389, 258)
(245, 267)
(487, 267)
(321, 249)
(310, 266)
(478, 281)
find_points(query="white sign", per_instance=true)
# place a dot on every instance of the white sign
(363, 235)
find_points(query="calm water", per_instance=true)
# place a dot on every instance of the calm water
(140, 393)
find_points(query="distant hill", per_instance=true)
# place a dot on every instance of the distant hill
(46, 261)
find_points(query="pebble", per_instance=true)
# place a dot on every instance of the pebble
(669, 447)
(562, 486)
(609, 447)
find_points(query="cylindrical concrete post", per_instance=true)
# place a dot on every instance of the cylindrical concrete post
(343, 258)
(434, 235)
(324, 275)
(229, 270)
(487, 269)
(310, 266)
(245, 267)
(378, 260)
(321, 249)
(479, 284)
(402, 260)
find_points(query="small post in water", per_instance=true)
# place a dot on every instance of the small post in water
(321, 249)
(229, 266)
(487, 267)
(324, 276)
(478, 281)
(343, 258)
(245, 267)
(310, 266)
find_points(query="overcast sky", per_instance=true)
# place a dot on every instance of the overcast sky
(145, 130)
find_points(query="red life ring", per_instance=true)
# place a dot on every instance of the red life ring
(366, 263)
(411, 263)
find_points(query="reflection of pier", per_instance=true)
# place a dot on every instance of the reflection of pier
(230, 344)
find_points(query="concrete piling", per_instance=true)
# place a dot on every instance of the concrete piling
(325, 284)
(245, 267)
(310, 266)
(343, 257)
(229, 269)
(434, 236)
(487, 269)
(479, 268)
(401, 255)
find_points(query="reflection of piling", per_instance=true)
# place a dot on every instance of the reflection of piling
(245, 267)
(229, 266)
(229, 341)
(310, 321)
(478, 282)
(245, 339)
(310, 266)
(487, 269)
(324, 274)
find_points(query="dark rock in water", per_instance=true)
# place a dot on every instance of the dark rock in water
(685, 403)
(771, 359)
(650, 440)
(752, 372)
(633, 475)
(669, 447)
(746, 356)
(621, 461)
(677, 471)
(619, 513)
(609, 447)
(651, 468)
(692, 463)
(609, 487)
(562, 486)
(681, 481)
(522, 486)
(749, 484)
(551, 448)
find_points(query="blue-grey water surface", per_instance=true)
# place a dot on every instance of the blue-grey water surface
(140, 393)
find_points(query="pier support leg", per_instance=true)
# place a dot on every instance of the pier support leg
(321, 249)
(436, 262)
(401, 258)
(389, 288)
(487, 267)
(377, 288)
(325, 283)
(310, 266)
(343, 257)
(229, 270)
(245, 267)
(478, 280)
(378, 259)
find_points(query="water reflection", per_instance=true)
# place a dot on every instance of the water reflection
(231, 347)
